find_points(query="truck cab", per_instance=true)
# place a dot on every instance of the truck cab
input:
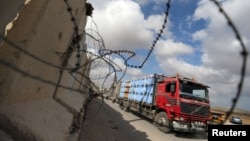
(185, 103)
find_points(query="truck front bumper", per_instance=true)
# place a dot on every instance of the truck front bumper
(189, 127)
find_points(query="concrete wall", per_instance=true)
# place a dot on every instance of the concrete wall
(41, 99)
(114, 92)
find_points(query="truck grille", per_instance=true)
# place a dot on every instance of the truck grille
(194, 109)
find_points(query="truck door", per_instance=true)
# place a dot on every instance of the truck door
(166, 94)
(170, 91)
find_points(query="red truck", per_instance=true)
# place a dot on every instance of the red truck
(174, 103)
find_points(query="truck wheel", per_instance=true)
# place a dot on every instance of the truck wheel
(127, 109)
(126, 106)
(121, 104)
(163, 123)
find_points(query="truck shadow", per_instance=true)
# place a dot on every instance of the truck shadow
(175, 133)
(191, 135)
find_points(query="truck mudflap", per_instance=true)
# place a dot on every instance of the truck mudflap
(189, 127)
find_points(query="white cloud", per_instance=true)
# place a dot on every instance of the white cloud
(220, 46)
(169, 48)
(154, 22)
(129, 71)
(121, 23)
(142, 2)
(200, 35)
(218, 41)
(145, 2)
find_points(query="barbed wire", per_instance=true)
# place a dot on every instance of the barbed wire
(103, 56)
(244, 54)
(131, 54)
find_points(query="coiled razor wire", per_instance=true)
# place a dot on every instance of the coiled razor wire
(103, 56)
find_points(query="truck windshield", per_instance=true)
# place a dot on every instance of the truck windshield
(194, 91)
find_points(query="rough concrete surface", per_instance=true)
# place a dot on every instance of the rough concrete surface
(38, 120)
(5, 137)
(32, 107)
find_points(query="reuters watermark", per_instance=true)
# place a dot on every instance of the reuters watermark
(241, 132)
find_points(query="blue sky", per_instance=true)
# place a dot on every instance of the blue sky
(197, 42)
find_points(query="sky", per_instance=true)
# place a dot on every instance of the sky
(197, 42)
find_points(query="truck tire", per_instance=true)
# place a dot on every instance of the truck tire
(163, 122)
(126, 106)
(121, 105)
